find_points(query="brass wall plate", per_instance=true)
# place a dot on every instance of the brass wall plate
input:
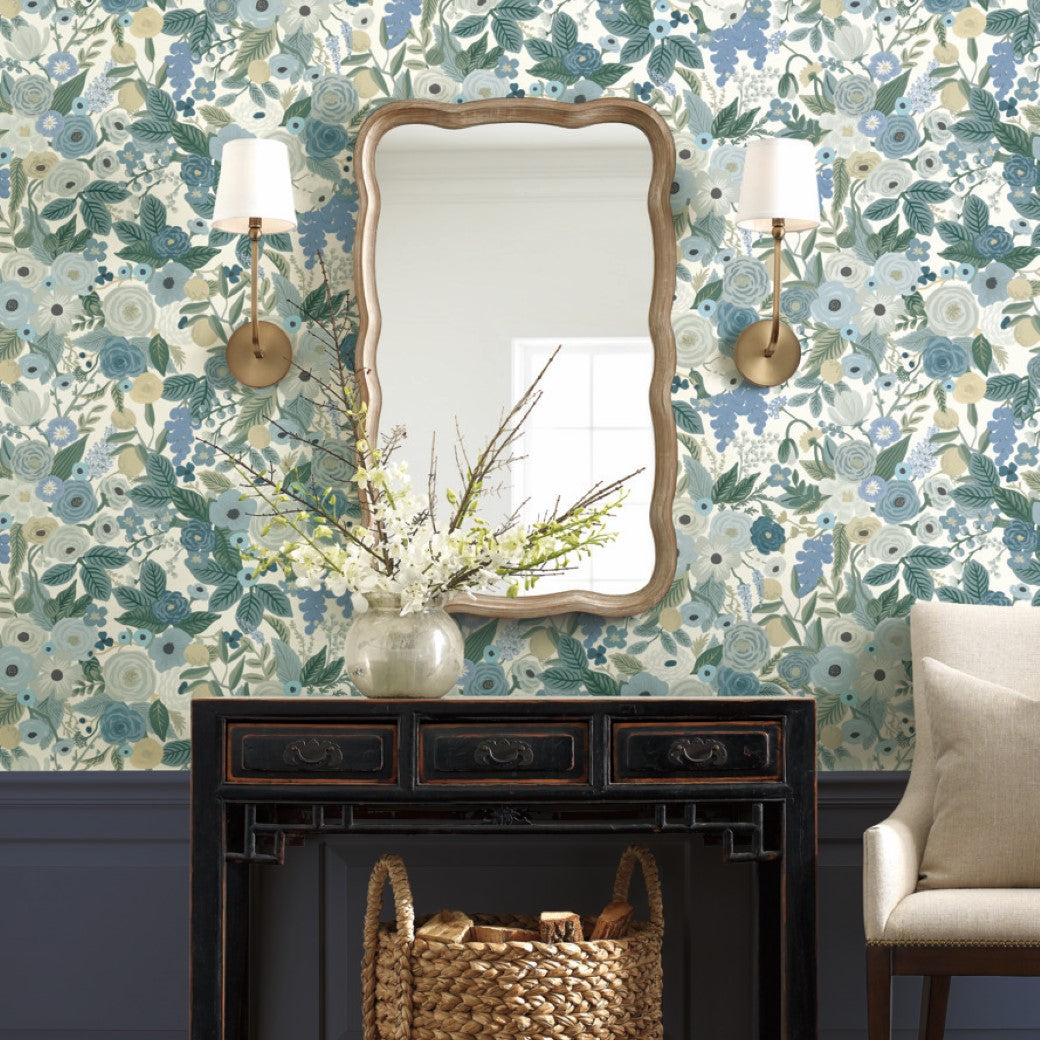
(253, 371)
(749, 354)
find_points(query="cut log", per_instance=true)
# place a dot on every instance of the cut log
(555, 926)
(447, 926)
(613, 922)
(488, 933)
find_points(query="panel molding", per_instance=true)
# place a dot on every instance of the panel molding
(93, 809)
(106, 789)
(93, 1034)
(861, 789)
(912, 1034)
(849, 803)
(94, 787)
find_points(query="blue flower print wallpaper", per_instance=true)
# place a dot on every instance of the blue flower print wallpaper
(902, 462)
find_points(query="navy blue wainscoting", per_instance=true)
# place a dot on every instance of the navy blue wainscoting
(94, 919)
(94, 932)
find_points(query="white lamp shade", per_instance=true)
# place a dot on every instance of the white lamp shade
(255, 181)
(779, 183)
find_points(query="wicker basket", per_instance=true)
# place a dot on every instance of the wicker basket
(418, 990)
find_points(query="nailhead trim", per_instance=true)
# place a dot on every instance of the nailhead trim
(1002, 944)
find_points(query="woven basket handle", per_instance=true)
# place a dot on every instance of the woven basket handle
(387, 868)
(390, 868)
(645, 858)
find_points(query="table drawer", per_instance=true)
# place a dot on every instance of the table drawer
(545, 753)
(695, 752)
(327, 754)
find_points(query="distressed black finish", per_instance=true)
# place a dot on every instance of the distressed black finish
(738, 771)
(684, 752)
(337, 753)
(503, 753)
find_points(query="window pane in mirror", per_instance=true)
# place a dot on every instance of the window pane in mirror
(574, 441)
(491, 237)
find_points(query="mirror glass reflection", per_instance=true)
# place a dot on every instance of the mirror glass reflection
(496, 244)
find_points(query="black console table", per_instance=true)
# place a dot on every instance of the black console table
(741, 771)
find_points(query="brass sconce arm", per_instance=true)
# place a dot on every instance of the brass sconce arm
(259, 354)
(254, 248)
(774, 333)
(767, 352)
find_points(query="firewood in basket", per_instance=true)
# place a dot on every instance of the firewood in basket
(447, 926)
(613, 922)
(557, 926)
(490, 933)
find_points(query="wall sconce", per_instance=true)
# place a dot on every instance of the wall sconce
(255, 195)
(778, 194)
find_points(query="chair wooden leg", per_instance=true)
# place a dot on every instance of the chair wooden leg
(879, 993)
(934, 994)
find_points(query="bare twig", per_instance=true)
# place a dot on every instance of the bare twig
(508, 431)
(431, 483)
(314, 515)
(262, 479)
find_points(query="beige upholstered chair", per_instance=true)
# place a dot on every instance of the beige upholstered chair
(945, 932)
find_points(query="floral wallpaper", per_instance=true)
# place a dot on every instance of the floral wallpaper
(902, 463)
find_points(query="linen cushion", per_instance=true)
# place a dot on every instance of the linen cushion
(981, 915)
(985, 830)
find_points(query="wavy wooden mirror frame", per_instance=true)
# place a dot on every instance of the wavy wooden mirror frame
(552, 113)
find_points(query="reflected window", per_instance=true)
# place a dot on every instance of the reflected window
(591, 424)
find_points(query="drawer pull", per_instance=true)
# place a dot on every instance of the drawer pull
(697, 752)
(504, 753)
(312, 753)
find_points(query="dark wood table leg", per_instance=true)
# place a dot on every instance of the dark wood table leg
(798, 901)
(787, 938)
(770, 943)
(799, 928)
(236, 954)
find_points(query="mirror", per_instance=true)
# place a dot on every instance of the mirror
(489, 235)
